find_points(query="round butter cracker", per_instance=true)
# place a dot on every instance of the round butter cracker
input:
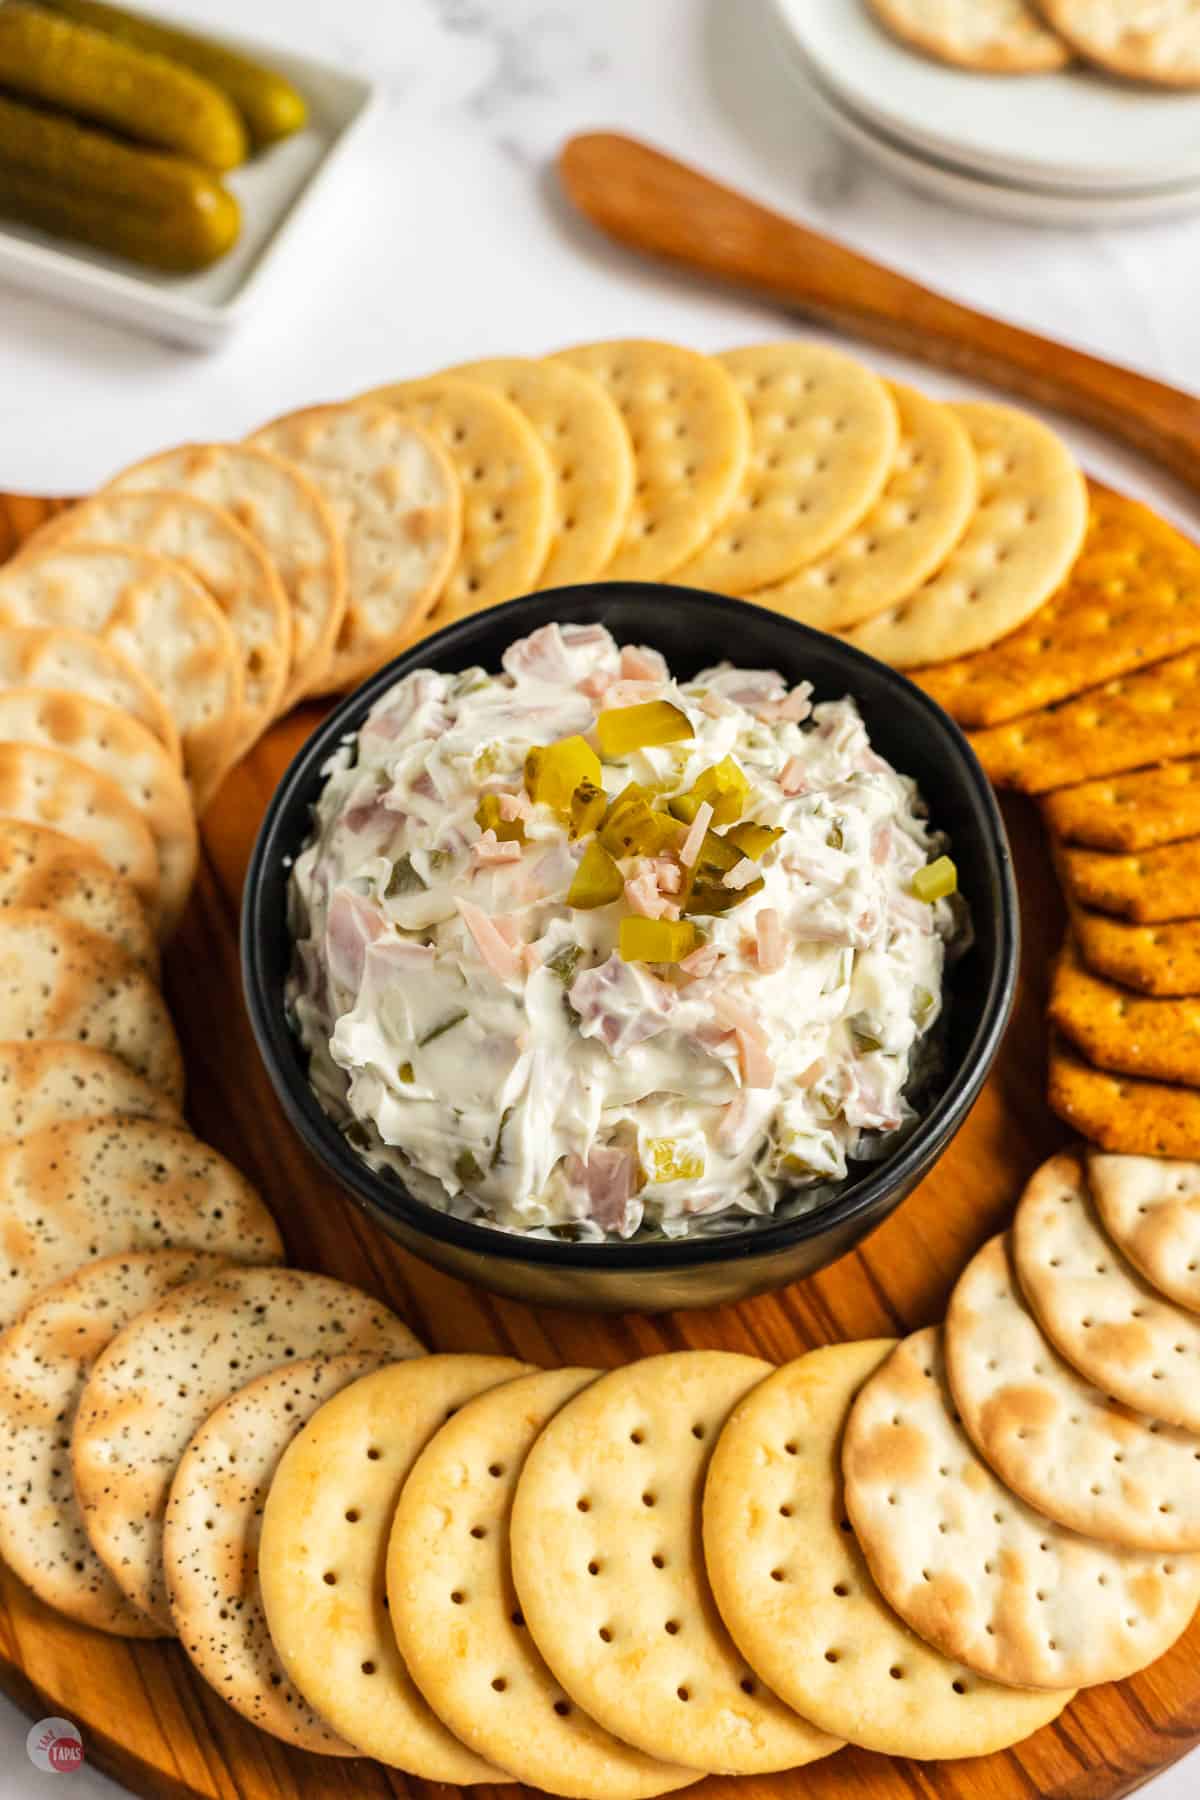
(606, 1556)
(322, 1559)
(45, 788)
(999, 37)
(1150, 1208)
(41, 868)
(1025, 533)
(33, 656)
(797, 1595)
(455, 1613)
(823, 437)
(690, 431)
(59, 1083)
(1150, 40)
(974, 1570)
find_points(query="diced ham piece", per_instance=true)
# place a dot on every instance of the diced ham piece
(741, 874)
(881, 845)
(690, 848)
(643, 897)
(769, 940)
(596, 684)
(806, 1077)
(608, 1177)
(621, 1003)
(489, 850)
(350, 925)
(793, 779)
(640, 663)
(493, 947)
(700, 962)
(795, 708)
(667, 874)
(542, 656)
(734, 1119)
(515, 806)
(530, 958)
(506, 925)
(757, 1068)
(631, 693)
(715, 705)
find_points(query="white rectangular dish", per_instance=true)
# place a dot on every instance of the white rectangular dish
(276, 189)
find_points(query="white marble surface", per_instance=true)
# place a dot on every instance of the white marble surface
(445, 237)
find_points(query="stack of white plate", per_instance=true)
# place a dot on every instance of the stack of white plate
(1075, 148)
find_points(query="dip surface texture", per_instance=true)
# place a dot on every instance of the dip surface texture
(731, 1004)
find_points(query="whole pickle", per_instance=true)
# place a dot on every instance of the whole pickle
(271, 107)
(157, 210)
(144, 97)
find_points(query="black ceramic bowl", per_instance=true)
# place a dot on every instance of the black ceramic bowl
(693, 630)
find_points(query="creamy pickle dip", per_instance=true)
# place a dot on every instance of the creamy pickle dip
(583, 950)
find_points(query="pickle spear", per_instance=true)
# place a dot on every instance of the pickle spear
(271, 107)
(78, 183)
(144, 97)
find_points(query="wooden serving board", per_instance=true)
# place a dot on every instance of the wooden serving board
(152, 1723)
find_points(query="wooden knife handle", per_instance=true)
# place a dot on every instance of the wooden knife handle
(654, 203)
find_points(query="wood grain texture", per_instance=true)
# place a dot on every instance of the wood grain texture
(655, 204)
(154, 1725)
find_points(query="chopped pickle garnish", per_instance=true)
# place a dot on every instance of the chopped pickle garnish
(597, 880)
(489, 818)
(710, 896)
(403, 880)
(554, 771)
(672, 1161)
(753, 840)
(722, 785)
(632, 826)
(705, 890)
(923, 1003)
(834, 837)
(466, 1168)
(656, 940)
(406, 1072)
(864, 1041)
(505, 1116)
(564, 962)
(626, 728)
(589, 804)
(441, 1030)
(935, 880)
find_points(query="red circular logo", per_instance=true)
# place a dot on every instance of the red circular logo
(55, 1746)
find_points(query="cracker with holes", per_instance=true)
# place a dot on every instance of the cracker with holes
(1129, 812)
(228, 563)
(690, 430)
(322, 1554)
(395, 498)
(1121, 1031)
(1122, 1113)
(590, 453)
(1051, 1436)
(94, 1187)
(823, 436)
(117, 747)
(282, 509)
(60, 980)
(1126, 724)
(1159, 42)
(1155, 959)
(45, 1357)
(47, 789)
(796, 1593)
(1150, 1208)
(1024, 535)
(925, 507)
(473, 1658)
(50, 656)
(997, 36)
(41, 868)
(1146, 887)
(1093, 1305)
(60, 1083)
(158, 617)
(1131, 598)
(200, 1344)
(210, 1543)
(507, 488)
(975, 1571)
(605, 1540)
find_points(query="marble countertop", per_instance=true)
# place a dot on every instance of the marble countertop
(443, 236)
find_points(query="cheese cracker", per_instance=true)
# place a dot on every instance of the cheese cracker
(1122, 1031)
(1026, 531)
(1120, 1112)
(606, 1556)
(1135, 811)
(1144, 886)
(690, 430)
(797, 1595)
(1154, 959)
(1131, 598)
(996, 36)
(973, 1569)
(396, 501)
(507, 488)
(589, 450)
(823, 437)
(908, 533)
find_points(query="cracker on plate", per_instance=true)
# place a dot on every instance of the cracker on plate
(797, 1595)
(43, 868)
(47, 789)
(999, 37)
(1159, 43)
(93, 1187)
(321, 1559)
